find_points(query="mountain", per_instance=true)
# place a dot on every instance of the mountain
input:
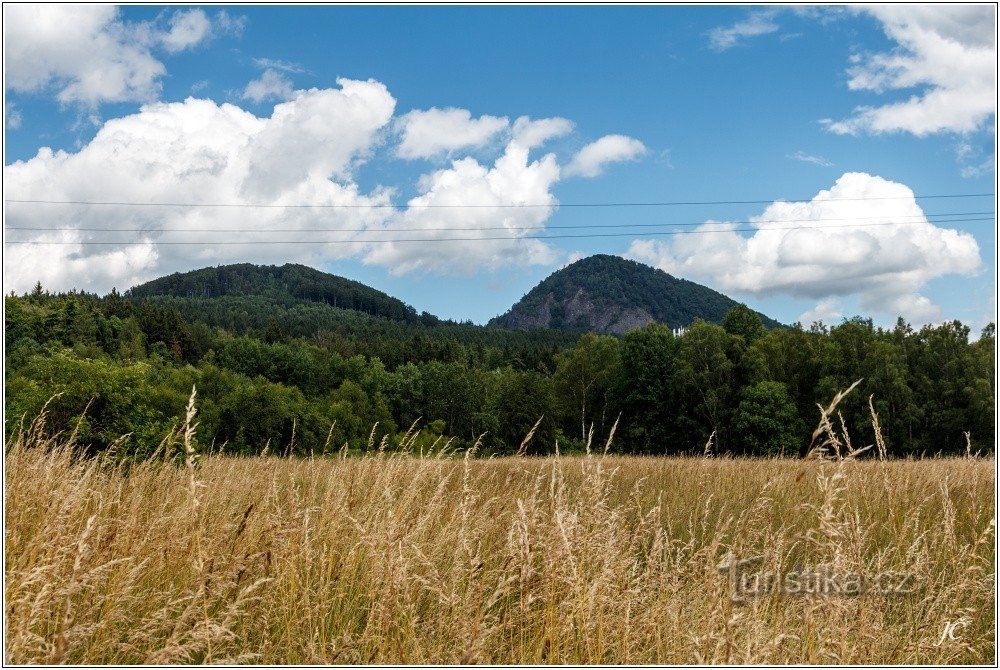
(611, 294)
(285, 284)
(606, 294)
(349, 316)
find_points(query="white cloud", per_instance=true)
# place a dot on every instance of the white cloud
(946, 52)
(964, 151)
(727, 37)
(13, 117)
(808, 158)
(591, 160)
(827, 254)
(434, 133)
(225, 24)
(512, 180)
(271, 85)
(573, 257)
(971, 159)
(88, 55)
(827, 310)
(533, 133)
(84, 51)
(198, 151)
(322, 133)
(188, 28)
(983, 168)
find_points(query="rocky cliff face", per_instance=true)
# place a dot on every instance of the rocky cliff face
(579, 311)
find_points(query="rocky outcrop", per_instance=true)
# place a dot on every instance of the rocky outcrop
(613, 295)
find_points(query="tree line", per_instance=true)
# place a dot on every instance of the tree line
(124, 365)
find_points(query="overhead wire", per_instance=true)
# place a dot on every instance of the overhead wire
(484, 239)
(477, 228)
(813, 224)
(665, 203)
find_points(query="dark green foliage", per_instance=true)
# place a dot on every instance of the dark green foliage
(645, 389)
(612, 284)
(305, 377)
(285, 283)
(517, 400)
(118, 399)
(583, 381)
(767, 423)
(743, 321)
(352, 333)
(704, 381)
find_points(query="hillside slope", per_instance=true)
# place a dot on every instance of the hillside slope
(287, 283)
(611, 294)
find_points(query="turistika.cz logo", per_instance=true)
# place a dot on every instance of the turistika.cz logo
(745, 581)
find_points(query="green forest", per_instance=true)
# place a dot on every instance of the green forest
(307, 369)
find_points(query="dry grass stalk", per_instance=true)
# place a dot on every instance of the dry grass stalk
(821, 450)
(523, 448)
(708, 445)
(879, 440)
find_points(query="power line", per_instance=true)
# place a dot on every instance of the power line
(495, 238)
(474, 228)
(497, 206)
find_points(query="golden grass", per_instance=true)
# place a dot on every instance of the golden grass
(406, 559)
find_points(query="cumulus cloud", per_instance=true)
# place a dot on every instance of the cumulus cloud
(198, 151)
(816, 250)
(434, 132)
(531, 133)
(513, 180)
(187, 29)
(322, 133)
(591, 160)
(947, 52)
(727, 37)
(87, 54)
(271, 85)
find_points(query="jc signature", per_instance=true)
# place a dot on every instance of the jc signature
(952, 630)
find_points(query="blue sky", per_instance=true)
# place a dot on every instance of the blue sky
(694, 104)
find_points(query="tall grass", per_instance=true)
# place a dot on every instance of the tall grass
(410, 558)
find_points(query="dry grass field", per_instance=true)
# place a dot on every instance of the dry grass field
(442, 559)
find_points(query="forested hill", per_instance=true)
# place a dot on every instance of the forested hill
(286, 283)
(293, 301)
(611, 294)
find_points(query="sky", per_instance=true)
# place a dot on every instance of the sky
(506, 141)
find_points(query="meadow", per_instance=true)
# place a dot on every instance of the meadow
(437, 557)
